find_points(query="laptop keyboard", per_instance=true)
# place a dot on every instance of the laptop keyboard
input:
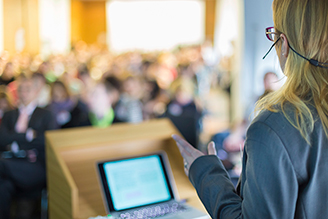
(154, 211)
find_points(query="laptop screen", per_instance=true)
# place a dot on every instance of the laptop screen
(135, 182)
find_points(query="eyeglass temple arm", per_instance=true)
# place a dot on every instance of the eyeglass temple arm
(271, 48)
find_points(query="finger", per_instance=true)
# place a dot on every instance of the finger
(186, 149)
(187, 157)
(183, 143)
(180, 140)
(181, 147)
(211, 148)
(184, 153)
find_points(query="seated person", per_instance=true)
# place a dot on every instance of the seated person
(100, 98)
(61, 104)
(43, 89)
(22, 162)
(154, 100)
(69, 111)
(182, 110)
(129, 107)
(116, 85)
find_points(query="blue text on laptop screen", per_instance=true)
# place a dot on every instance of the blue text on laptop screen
(136, 182)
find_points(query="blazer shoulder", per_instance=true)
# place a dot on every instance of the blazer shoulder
(265, 116)
(275, 120)
(11, 113)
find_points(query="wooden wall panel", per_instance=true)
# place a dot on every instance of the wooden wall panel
(88, 20)
(23, 14)
(76, 20)
(94, 21)
(30, 21)
(12, 21)
(210, 13)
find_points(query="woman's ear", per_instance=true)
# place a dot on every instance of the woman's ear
(284, 45)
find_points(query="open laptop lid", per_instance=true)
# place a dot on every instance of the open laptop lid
(137, 181)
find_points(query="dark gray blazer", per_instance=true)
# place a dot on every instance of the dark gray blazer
(283, 177)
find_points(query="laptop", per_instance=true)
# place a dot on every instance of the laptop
(143, 187)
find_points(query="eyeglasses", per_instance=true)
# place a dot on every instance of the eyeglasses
(270, 33)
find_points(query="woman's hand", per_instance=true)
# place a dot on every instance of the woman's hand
(189, 153)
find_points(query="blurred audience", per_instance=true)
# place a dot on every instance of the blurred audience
(89, 86)
(139, 82)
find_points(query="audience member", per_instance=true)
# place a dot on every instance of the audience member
(150, 99)
(85, 80)
(116, 85)
(270, 83)
(46, 69)
(129, 107)
(100, 101)
(22, 164)
(8, 74)
(42, 88)
(12, 89)
(61, 103)
(182, 110)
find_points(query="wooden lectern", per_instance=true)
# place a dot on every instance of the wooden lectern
(71, 154)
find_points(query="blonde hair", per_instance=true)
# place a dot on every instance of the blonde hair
(305, 24)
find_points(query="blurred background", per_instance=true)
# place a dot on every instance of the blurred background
(197, 62)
